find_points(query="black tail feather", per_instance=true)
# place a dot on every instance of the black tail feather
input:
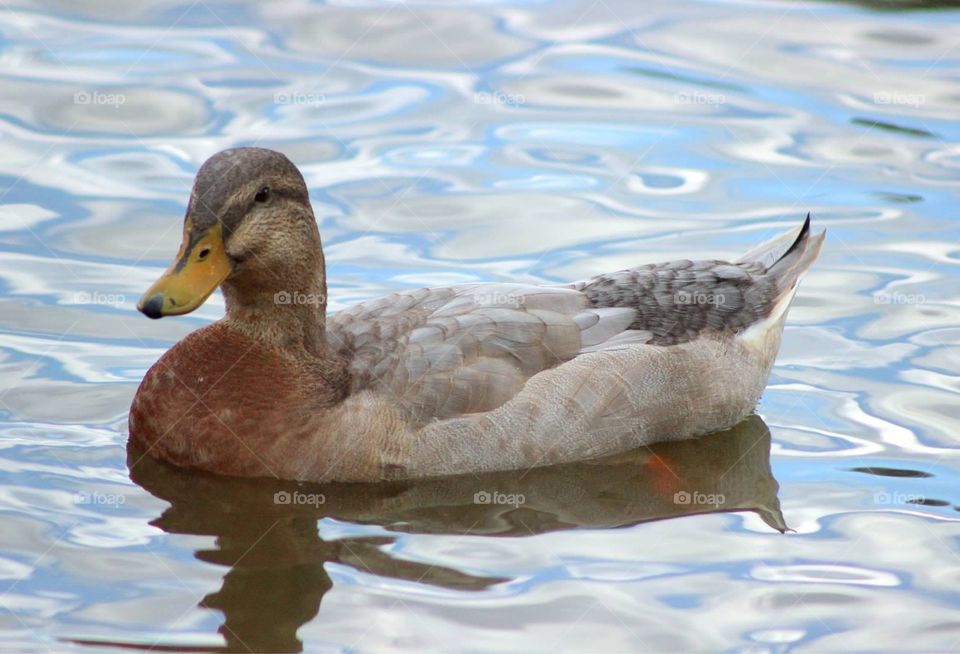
(801, 237)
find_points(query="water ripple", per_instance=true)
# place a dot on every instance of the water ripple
(506, 141)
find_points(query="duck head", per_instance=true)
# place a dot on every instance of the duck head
(249, 228)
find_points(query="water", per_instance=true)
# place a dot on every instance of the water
(510, 141)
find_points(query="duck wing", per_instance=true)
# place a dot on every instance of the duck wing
(445, 352)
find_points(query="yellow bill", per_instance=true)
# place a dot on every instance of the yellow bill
(199, 268)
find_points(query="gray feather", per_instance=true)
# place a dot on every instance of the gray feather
(679, 301)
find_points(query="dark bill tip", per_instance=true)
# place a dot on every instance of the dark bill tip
(153, 308)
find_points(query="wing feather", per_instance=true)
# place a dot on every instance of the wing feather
(466, 349)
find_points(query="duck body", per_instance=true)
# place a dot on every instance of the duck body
(429, 382)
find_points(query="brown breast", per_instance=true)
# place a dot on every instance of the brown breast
(223, 402)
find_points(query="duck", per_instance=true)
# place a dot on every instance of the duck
(433, 382)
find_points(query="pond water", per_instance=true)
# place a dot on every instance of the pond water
(507, 141)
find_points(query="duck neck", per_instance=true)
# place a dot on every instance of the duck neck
(288, 316)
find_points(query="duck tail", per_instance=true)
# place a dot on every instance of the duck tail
(785, 259)
(788, 256)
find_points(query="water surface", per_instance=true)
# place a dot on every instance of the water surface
(481, 141)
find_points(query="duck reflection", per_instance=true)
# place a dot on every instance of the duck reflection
(267, 532)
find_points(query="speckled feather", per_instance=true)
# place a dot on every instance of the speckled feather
(680, 300)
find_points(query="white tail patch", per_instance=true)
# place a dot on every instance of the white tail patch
(757, 335)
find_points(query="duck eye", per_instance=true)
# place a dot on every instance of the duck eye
(203, 254)
(262, 195)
